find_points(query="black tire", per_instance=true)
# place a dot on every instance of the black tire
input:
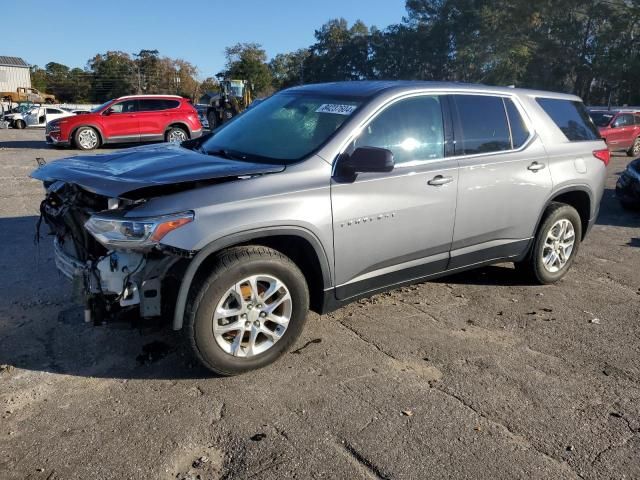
(533, 266)
(227, 114)
(213, 120)
(232, 266)
(634, 151)
(176, 131)
(86, 145)
(20, 124)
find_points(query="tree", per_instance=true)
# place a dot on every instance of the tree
(248, 61)
(287, 69)
(39, 78)
(209, 84)
(113, 75)
(340, 52)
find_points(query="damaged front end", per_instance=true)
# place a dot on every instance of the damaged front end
(116, 263)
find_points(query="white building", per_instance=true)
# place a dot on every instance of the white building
(14, 73)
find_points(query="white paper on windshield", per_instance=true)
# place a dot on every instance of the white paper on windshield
(337, 109)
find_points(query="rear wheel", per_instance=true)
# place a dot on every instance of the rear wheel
(555, 245)
(176, 134)
(634, 151)
(248, 311)
(86, 138)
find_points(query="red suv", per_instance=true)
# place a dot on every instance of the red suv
(135, 118)
(620, 129)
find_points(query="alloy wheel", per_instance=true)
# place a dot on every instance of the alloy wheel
(88, 139)
(177, 135)
(558, 245)
(636, 147)
(252, 316)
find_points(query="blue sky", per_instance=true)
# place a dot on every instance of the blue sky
(71, 32)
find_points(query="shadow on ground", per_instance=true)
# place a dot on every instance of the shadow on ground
(41, 329)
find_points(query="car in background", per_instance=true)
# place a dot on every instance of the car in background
(620, 129)
(130, 119)
(628, 186)
(37, 116)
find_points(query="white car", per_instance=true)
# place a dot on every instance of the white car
(38, 116)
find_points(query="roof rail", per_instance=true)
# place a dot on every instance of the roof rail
(150, 96)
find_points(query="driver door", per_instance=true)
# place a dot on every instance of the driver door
(121, 123)
(393, 227)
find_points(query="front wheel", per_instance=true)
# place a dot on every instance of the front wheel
(86, 138)
(634, 151)
(20, 124)
(248, 311)
(555, 245)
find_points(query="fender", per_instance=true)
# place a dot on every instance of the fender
(92, 125)
(178, 123)
(566, 189)
(241, 237)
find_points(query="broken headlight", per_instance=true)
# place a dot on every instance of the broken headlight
(134, 233)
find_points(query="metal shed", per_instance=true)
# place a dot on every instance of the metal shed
(14, 73)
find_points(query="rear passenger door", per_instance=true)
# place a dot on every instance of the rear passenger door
(504, 180)
(154, 116)
(396, 226)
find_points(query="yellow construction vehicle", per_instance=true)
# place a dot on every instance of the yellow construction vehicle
(234, 98)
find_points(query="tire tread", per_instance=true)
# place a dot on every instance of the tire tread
(225, 260)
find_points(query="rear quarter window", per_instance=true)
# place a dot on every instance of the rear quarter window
(571, 117)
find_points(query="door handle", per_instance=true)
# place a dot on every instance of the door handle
(535, 166)
(440, 180)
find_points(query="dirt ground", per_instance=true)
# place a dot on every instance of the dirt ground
(473, 376)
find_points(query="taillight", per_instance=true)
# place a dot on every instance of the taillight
(604, 155)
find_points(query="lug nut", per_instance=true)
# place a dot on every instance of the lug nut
(247, 324)
(256, 323)
(244, 315)
(249, 307)
(263, 314)
(258, 306)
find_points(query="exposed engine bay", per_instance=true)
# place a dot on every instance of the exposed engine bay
(110, 282)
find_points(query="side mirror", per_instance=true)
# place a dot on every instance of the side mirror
(365, 160)
(107, 112)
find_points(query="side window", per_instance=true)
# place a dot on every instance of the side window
(623, 120)
(150, 105)
(482, 122)
(53, 111)
(412, 129)
(127, 106)
(519, 130)
(637, 118)
(169, 104)
(571, 117)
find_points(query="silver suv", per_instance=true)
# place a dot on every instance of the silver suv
(318, 196)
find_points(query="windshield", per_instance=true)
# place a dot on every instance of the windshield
(602, 119)
(282, 129)
(97, 109)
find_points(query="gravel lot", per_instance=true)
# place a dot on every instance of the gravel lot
(473, 376)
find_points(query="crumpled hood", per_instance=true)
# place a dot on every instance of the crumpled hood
(114, 174)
